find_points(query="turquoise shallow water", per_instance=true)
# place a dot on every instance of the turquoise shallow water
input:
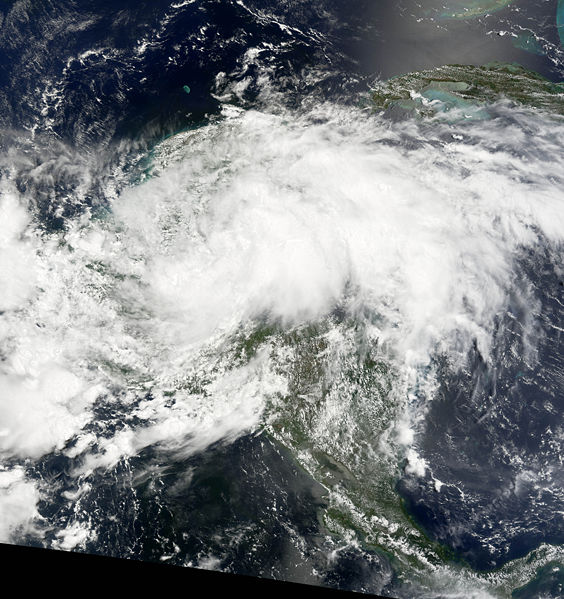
(460, 9)
(445, 102)
(529, 43)
(560, 20)
(216, 350)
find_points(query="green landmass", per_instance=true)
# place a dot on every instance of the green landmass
(344, 394)
(336, 417)
(467, 89)
(548, 582)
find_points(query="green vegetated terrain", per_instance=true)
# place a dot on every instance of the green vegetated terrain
(467, 89)
(337, 415)
(345, 393)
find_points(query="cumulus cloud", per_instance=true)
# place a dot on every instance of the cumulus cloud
(259, 215)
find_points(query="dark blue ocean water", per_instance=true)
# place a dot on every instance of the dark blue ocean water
(118, 68)
(102, 76)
